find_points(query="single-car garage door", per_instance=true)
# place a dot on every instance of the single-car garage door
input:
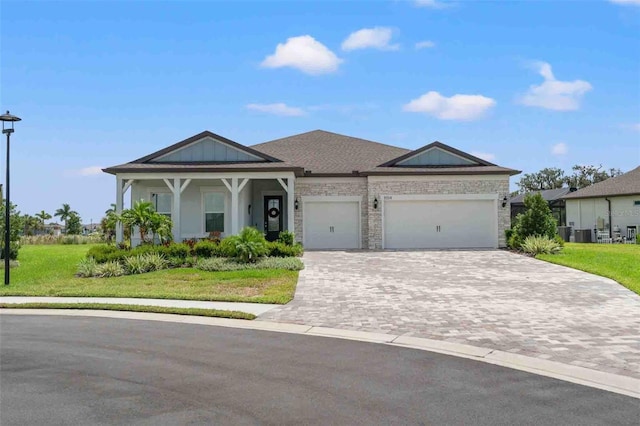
(416, 224)
(331, 224)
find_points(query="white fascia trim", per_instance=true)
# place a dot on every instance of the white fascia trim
(210, 138)
(433, 178)
(438, 197)
(439, 149)
(311, 180)
(205, 175)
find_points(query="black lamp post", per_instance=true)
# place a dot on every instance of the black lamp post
(7, 118)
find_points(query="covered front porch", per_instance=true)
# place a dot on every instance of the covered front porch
(201, 205)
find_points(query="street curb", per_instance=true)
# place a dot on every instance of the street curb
(584, 376)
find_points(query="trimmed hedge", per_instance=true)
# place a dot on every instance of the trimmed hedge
(280, 249)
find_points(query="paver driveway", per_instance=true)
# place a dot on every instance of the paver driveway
(494, 299)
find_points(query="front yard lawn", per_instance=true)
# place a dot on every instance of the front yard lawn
(49, 270)
(620, 262)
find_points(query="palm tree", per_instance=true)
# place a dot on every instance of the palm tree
(65, 213)
(140, 215)
(110, 210)
(43, 216)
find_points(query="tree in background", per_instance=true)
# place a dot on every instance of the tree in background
(108, 222)
(43, 216)
(73, 224)
(16, 227)
(29, 224)
(64, 214)
(554, 178)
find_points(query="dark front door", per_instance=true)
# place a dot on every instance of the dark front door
(272, 216)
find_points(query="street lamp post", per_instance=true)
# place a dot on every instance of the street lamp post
(7, 118)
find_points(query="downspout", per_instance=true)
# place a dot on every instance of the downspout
(610, 224)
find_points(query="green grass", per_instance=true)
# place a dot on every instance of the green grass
(134, 308)
(48, 270)
(620, 262)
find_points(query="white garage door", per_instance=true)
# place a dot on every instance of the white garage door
(331, 224)
(418, 224)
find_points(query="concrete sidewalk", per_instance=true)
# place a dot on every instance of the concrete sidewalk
(250, 308)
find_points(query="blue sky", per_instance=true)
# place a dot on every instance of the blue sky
(526, 84)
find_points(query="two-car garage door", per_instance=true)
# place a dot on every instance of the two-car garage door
(445, 223)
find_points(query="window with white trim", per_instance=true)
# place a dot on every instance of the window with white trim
(162, 203)
(213, 212)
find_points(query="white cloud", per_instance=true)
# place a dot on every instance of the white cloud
(433, 4)
(277, 109)
(484, 155)
(560, 148)
(555, 94)
(86, 171)
(626, 2)
(305, 54)
(457, 107)
(426, 44)
(370, 38)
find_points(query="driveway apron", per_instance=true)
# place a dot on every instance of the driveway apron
(493, 299)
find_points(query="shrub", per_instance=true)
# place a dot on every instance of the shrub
(105, 253)
(279, 249)
(222, 264)
(176, 262)
(248, 246)
(137, 264)
(156, 262)
(289, 263)
(535, 244)
(286, 237)
(13, 250)
(87, 267)
(207, 249)
(181, 250)
(110, 269)
(536, 220)
(558, 239)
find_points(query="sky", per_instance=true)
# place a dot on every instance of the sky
(524, 84)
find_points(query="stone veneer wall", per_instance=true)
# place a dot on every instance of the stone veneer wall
(332, 187)
(431, 186)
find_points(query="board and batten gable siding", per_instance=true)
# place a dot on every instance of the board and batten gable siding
(207, 149)
(332, 187)
(436, 157)
(380, 186)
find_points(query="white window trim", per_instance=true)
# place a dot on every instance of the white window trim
(227, 200)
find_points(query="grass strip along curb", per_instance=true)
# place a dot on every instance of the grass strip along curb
(134, 308)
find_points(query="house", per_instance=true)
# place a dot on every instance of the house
(612, 206)
(333, 191)
(554, 197)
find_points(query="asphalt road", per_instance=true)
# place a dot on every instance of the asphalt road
(93, 371)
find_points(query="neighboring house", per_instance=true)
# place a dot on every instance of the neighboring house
(554, 197)
(52, 229)
(333, 191)
(90, 228)
(612, 205)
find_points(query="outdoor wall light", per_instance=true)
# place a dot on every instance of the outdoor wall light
(375, 203)
(504, 202)
(249, 210)
(296, 204)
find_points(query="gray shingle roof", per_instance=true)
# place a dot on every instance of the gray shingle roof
(322, 152)
(625, 184)
(547, 194)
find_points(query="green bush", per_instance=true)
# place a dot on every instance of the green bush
(137, 264)
(87, 267)
(222, 264)
(207, 248)
(157, 262)
(105, 253)
(536, 244)
(286, 237)
(181, 250)
(110, 269)
(13, 250)
(558, 239)
(536, 220)
(246, 247)
(279, 249)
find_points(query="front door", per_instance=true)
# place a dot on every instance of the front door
(272, 216)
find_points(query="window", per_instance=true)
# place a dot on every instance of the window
(636, 203)
(213, 212)
(162, 203)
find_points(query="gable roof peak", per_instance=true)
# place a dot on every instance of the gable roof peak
(439, 145)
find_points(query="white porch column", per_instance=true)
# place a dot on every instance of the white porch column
(234, 206)
(119, 203)
(175, 213)
(290, 204)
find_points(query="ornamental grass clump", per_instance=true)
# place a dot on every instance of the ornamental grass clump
(246, 247)
(87, 267)
(536, 244)
(112, 268)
